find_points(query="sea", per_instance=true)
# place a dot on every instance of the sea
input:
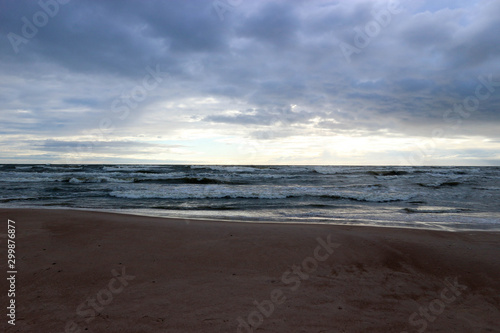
(445, 198)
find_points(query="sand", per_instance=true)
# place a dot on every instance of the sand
(82, 271)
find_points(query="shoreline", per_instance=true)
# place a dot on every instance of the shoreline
(308, 223)
(80, 269)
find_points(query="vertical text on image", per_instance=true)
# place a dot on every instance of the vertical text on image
(11, 271)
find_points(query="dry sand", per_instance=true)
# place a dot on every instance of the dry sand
(82, 271)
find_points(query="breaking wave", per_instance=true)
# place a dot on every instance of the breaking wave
(256, 192)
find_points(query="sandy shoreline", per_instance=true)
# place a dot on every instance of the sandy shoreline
(82, 271)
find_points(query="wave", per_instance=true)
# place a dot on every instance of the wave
(21, 198)
(80, 180)
(388, 173)
(196, 207)
(372, 197)
(85, 177)
(443, 184)
(334, 170)
(138, 168)
(436, 210)
(186, 180)
(256, 192)
(486, 188)
(132, 178)
(38, 168)
(226, 168)
(157, 180)
(24, 167)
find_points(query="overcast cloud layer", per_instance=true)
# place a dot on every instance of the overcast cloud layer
(242, 82)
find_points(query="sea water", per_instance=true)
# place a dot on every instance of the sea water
(450, 198)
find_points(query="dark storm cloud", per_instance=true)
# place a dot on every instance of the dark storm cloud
(118, 37)
(260, 57)
(275, 23)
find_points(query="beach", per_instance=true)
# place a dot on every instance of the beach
(84, 271)
(250, 166)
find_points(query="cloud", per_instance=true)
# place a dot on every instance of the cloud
(130, 146)
(283, 116)
(239, 77)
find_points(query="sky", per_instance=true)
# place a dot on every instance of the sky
(250, 82)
